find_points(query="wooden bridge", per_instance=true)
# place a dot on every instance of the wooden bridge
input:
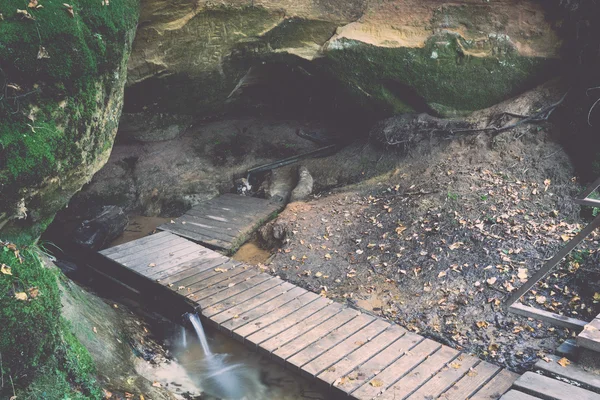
(355, 354)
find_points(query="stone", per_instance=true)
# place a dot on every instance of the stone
(98, 232)
(304, 188)
(389, 57)
(147, 127)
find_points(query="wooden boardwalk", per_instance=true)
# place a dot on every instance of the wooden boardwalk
(354, 353)
(589, 338)
(223, 223)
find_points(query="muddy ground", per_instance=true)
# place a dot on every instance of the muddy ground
(440, 241)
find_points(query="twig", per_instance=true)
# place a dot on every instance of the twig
(593, 105)
(13, 386)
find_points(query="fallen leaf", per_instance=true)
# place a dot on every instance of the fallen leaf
(142, 397)
(442, 274)
(540, 299)
(156, 384)
(33, 292)
(107, 394)
(319, 274)
(492, 280)
(21, 296)
(376, 383)
(25, 15)
(523, 274)
(328, 256)
(32, 3)
(563, 362)
(220, 269)
(481, 324)
(152, 265)
(456, 245)
(95, 330)
(5, 269)
(69, 9)
(455, 365)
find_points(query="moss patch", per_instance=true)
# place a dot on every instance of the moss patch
(54, 68)
(39, 352)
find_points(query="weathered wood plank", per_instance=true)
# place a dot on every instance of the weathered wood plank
(552, 318)
(589, 338)
(208, 223)
(206, 292)
(162, 243)
(347, 346)
(271, 306)
(196, 237)
(212, 276)
(364, 352)
(320, 346)
(515, 395)
(242, 297)
(181, 276)
(151, 263)
(444, 379)
(290, 327)
(313, 335)
(420, 375)
(284, 317)
(551, 389)
(571, 373)
(363, 373)
(214, 232)
(374, 385)
(136, 243)
(497, 386)
(259, 300)
(471, 382)
(185, 255)
(198, 265)
(233, 290)
(214, 284)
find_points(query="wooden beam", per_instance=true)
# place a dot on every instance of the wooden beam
(553, 262)
(552, 318)
(587, 202)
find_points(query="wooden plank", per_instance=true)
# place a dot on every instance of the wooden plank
(285, 330)
(241, 298)
(180, 276)
(496, 387)
(444, 379)
(341, 320)
(383, 379)
(190, 254)
(363, 352)
(420, 375)
(317, 348)
(238, 310)
(589, 338)
(515, 395)
(350, 344)
(214, 232)
(161, 243)
(546, 388)
(196, 237)
(273, 323)
(572, 373)
(552, 318)
(234, 290)
(152, 262)
(211, 277)
(590, 189)
(471, 382)
(553, 262)
(376, 362)
(198, 265)
(135, 243)
(269, 307)
(221, 215)
(211, 291)
(208, 223)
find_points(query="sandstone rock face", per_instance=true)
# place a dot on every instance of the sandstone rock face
(455, 57)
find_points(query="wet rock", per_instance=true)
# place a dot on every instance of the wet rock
(304, 187)
(98, 232)
(148, 127)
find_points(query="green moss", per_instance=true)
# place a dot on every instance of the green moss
(441, 72)
(41, 124)
(39, 352)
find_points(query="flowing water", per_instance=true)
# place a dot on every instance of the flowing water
(219, 376)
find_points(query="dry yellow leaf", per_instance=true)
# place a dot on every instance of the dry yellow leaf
(21, 296)
(442, 274)
(376, 383)
(491, 281)
(456, 245)
(523, 274)
(33, 292)
(563, 362)
(152, 265)
(5, 269)
(156, 384)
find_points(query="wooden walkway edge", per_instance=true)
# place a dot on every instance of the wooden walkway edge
(353, 353)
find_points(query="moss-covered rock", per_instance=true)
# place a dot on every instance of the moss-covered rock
(62, 70)
(383, 57)
(40, 355)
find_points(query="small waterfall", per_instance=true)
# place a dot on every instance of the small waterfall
(221, 378)
(197, 324)
(183, 337)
